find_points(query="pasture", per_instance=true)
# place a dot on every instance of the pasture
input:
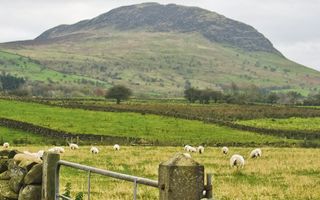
(281, 173)
(166, 130)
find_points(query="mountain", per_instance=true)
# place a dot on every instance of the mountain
(156, 49)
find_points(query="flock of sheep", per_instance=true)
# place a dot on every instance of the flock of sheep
(236, 160)
(72, 146)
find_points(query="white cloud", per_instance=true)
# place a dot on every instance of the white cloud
(292, 25)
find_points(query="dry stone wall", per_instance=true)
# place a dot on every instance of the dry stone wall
(20, 176)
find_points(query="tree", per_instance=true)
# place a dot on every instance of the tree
(192, 94)
(273, 98)
(9, 83)
(119, 93)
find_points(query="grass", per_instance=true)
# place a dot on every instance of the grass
(281, 173)
(33, 71)
(150, 127)
(158, 64)
(293, 123)
(18, 137)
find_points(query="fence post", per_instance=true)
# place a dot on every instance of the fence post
(50, 161)
(181, 178)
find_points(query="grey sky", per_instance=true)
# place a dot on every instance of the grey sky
(293, 26)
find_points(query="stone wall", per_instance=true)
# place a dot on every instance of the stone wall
(20, 176)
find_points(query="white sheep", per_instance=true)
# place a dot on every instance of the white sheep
(37, 155)
(116, 147)
(187, 155)
(192, 149)
(6, 145)
(200, 149)
(94, 150)
(225, 150)
(57, 150)
(237, 161)
(256, 153)
(186, 147)
(73, 146)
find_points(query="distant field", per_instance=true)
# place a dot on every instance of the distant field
(21, 138)
(151, 127)
(281, 173)
(293, 123)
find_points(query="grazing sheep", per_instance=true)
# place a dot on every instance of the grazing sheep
(116, 147)
(256, 153)
(237, 161)
(186, 147)
(201, 149)
(192, 149)
(225, 150)
(94, 150)
(73, 146)
(57, 150)
(187, 155)
(6, 145)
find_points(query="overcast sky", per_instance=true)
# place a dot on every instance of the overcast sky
(293, 26)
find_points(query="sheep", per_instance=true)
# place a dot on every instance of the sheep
(225, 150)
(94, 150)
(200, 149)
(237, 161)
(187, 155)
(73, 146)
(186, 147)
(57, 150)
(6, 145)
(37, 155)
(256, 153)
(116, 147)
(192, 149)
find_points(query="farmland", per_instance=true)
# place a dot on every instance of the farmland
(166, 130)
(293, 123)
(273, 176)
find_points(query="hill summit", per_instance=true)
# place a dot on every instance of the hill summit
(155, 17)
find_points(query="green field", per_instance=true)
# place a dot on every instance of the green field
(281, 173)
(150, 127)
(293, 123)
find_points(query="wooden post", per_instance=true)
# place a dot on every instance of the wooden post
(50, 161)
(181, 178)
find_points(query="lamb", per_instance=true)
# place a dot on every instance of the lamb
(94, 150)
(73, 146)
(201, 149)
(6, 145)
(256, 153)
(237, 161)
(225, 150)
(57, 150)
(116, 147)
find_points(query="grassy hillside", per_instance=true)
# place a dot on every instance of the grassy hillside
(155, 64)
(150, 127)
(36, 73)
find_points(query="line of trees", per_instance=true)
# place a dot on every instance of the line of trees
(252, 94)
